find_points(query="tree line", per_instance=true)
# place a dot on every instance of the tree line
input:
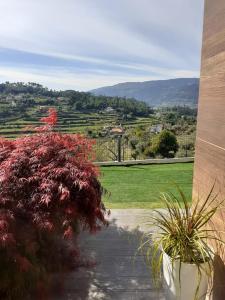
(76, 100)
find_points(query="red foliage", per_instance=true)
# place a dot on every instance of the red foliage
(23, 263)
(52, 118)
(48, 182)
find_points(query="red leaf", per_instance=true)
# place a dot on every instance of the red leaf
(68, 234)
(23, 262)
(52, 118)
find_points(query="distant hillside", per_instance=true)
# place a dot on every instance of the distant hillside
(18, 97)
(181, 91)
(23, 104)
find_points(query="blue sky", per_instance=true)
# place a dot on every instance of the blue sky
(84, 44)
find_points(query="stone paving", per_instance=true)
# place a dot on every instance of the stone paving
(120, 272)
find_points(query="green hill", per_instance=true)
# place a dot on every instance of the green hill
(181, 91)
(24, 104)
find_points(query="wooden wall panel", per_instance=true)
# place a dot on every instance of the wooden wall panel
(210, 141)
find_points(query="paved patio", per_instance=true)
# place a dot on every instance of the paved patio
(120, 272)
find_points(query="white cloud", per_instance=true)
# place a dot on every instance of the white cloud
(162, 36)
(63, 79)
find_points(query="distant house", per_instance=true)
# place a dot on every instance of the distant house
(18, 97)
(43, 109)
(109, 109)
(156, 128)
(117, 130)
(9, 98)
(13, 103)
(61, 99)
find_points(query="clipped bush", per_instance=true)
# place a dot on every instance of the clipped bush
(164, 144)
(48, 188)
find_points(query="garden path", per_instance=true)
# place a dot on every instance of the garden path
(120, 272)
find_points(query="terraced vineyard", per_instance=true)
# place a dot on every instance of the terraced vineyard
(92, 124)
(68, 122)
(24, 104)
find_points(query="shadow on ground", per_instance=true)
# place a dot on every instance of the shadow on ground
(119, 272)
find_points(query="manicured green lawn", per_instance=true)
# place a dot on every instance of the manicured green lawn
(140, 186)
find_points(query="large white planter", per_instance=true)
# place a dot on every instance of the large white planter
(182, 281)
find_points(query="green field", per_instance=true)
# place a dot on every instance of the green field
(140, 186)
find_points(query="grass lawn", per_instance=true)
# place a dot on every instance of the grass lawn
(140, 186)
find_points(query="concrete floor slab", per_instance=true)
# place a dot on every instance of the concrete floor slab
(120, 272)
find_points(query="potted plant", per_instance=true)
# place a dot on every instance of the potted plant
(180, 245)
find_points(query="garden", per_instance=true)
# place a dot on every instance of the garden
(51, 193)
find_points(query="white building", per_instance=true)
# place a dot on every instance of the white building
(156, 128)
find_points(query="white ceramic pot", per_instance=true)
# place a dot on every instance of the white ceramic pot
(183, 281)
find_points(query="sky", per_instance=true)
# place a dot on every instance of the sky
(86, 44)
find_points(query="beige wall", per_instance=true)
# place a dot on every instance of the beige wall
(210, 142)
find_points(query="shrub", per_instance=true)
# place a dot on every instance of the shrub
(48, 187)
(133, 143)
(165, 144)
(148, 152)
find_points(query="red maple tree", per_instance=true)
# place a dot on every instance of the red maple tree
(49, 185)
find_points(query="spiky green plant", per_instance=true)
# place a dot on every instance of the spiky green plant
(182, 232)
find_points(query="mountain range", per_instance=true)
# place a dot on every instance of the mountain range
(180, 91)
